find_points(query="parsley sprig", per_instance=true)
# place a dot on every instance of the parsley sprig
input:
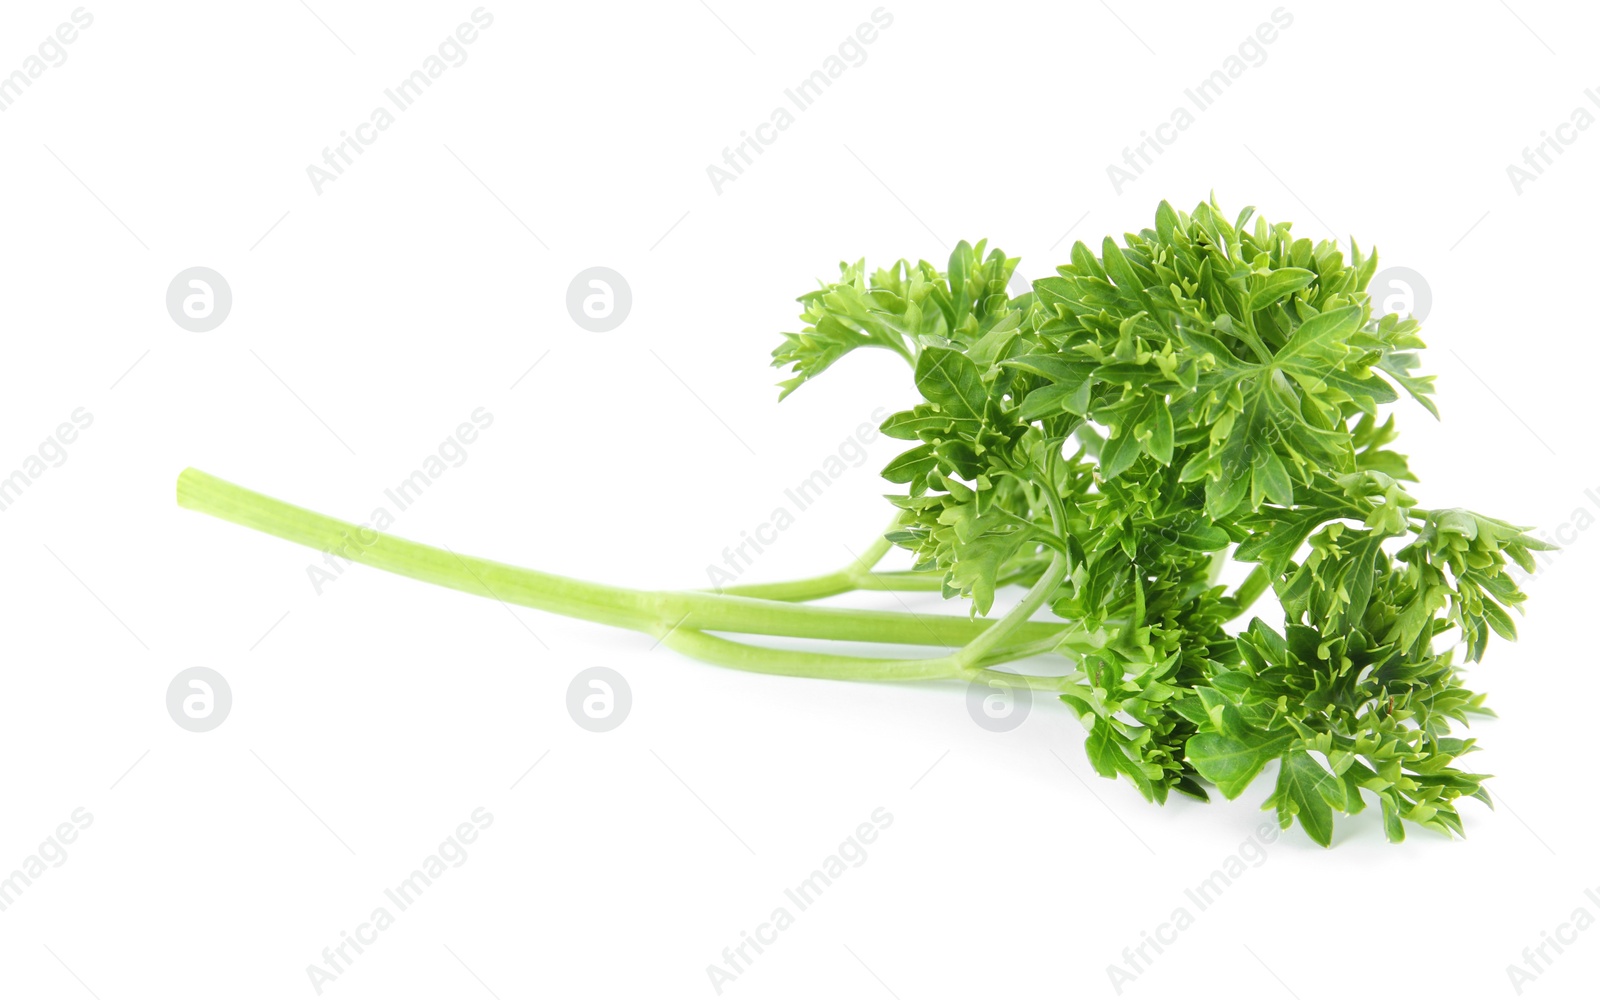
(1202, 391)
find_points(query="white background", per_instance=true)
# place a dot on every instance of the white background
(370, 720)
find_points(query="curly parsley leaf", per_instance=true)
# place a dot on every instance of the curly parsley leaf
(1202, 387)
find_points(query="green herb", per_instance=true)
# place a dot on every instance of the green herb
(1203, 391)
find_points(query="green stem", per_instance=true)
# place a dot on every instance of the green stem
(1034, 682)
(1017, 617)
(207, 494)
(802, 663)
(1042, 590)
(1248, 335)
(1023, 650)
(842, 581)
(902, 579)
(857, 575)
(658, 613)
(716, 613)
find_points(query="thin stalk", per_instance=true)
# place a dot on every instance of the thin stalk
(1248, 335)
(565, 596)
(1017, 618)
(1033, 682)
(840, 581)
(1021, 651)
(657, 613)
(902, 579)
(718, 613)
(803, 663)
(858, 574)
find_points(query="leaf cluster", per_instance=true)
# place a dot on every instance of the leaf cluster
(1203, 390)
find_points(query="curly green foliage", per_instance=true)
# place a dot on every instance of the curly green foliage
(1201, 391)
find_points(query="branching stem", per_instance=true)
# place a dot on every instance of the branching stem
(683, 620)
